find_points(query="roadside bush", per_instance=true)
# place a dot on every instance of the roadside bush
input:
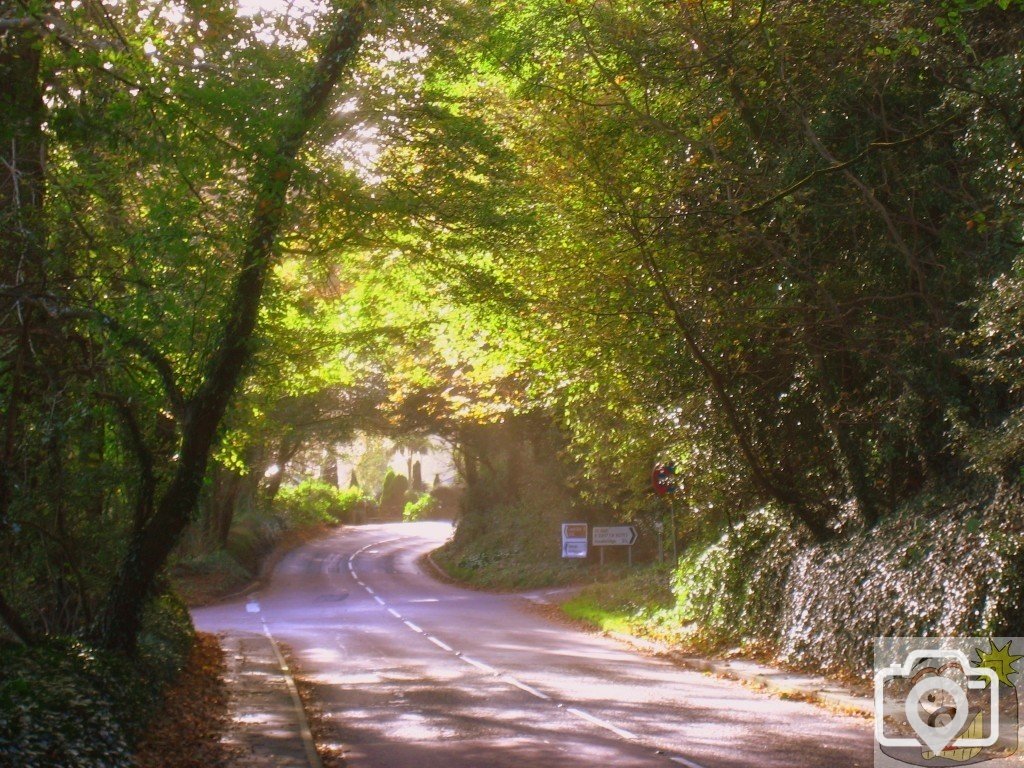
(64, 704)
(422, 508)
(392, 495)
(56, 709)
(943, 566)
(732, 589)
(314, 502)
(219, 563)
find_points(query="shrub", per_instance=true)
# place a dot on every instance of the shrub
(423, 508)
(732, 589)
(392, 495)
(314, 502)
(940, 567)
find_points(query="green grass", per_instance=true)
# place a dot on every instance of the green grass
(508, 572)
(638, 603)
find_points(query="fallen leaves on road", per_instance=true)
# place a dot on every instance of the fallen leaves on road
(186, 733)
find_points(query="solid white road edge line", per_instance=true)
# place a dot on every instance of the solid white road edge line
(304, 732)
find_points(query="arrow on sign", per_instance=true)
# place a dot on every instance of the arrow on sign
(613, 535)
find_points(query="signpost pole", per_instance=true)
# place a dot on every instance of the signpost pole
(601, 553)
(629, 555)
(672, 514)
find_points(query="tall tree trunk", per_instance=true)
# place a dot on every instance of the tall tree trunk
(120, 621)
(228, 484)
(286, 450)
(22, 230)
(763, 478)
(23, 158)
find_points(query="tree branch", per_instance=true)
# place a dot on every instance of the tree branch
(840, 166)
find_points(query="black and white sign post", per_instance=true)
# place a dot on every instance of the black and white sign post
(614, 536)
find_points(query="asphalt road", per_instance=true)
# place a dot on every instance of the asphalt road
(414, 672)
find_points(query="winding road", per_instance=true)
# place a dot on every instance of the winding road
(414, 672)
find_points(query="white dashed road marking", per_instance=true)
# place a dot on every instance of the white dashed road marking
(602, 723)
(441, 644)
(487, 668)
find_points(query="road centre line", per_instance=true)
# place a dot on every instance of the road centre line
(602, 723)
(524, 687)
(440, 644)
(479, 664)
(684, 761)
(582, 714)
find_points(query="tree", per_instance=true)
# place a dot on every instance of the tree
(193, 376)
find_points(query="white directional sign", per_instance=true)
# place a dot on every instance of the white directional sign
(613, 536)
(574, 540)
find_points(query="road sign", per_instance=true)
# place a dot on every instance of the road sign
(574, 540)
(614, 536)
(663, 478)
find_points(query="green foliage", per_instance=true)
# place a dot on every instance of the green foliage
(67, 704)
(510, 548)
(424, 507)
(314, 502)
(943, 566)
(55, 710)
(730, 591)
(392, 495)
(779, 243)
(769, 294)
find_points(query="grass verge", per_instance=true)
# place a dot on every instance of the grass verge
(640, 602)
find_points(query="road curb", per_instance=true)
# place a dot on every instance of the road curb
(787, 685)
(438, 570)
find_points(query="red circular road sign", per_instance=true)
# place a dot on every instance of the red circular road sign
(663, 478)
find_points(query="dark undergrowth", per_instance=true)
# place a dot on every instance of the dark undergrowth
(65, 704)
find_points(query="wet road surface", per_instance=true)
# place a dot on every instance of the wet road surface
(412, 671)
